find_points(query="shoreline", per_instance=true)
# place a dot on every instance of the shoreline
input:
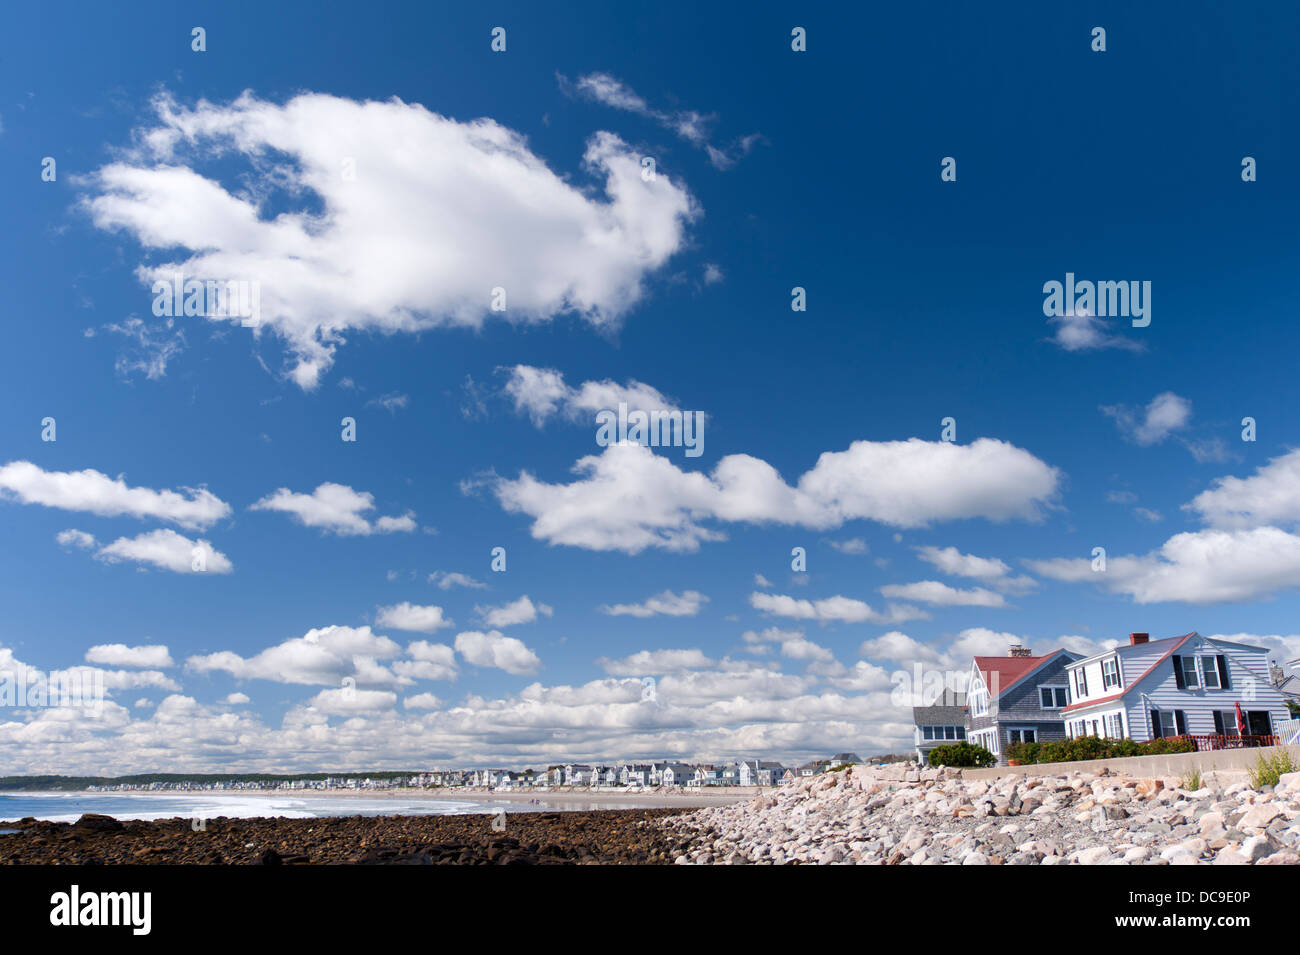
(144, 804)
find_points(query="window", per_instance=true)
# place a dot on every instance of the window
(1052, 697)
(1114, 725)
(1109, 673)
(1168, 723)
(1210, 669)
(943, 732)
(1191, 677)
(1225, 722)
(1022, 734)
(1080, 683)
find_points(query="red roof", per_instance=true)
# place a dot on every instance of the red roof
(1006, 672)
(1174, 644)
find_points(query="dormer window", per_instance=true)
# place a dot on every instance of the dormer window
(1109, 673)
(1208, 670)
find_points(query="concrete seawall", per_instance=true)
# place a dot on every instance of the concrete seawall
(1174, 764)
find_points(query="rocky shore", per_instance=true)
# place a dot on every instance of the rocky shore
(895, 815)
(902, 815)
(614, 837)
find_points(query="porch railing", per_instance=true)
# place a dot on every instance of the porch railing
(1288, 731)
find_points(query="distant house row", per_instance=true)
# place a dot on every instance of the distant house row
(745, 772)
(1219, 692)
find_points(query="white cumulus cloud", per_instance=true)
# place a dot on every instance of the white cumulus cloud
(494, 649)
(668, 604)
(120, 655)
(335, 509)
(96, 493)
(409, 616)
(629, 499)
(417, 218)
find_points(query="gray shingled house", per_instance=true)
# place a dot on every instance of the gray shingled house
(943, 721)
(1017, 698)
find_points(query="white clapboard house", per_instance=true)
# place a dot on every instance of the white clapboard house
(1180, 686)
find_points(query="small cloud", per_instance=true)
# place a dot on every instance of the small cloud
(1165, 414)
(1084, 332)
(854, 545)
(445, 581)
(422, 701)
(693, 127)
(75, 538)
(150, 656)
(494, 649)
(519, 611)
(148, 348)
(390, 402)
(335, 509)
(167, 550)
(668, 604)
(414, 617)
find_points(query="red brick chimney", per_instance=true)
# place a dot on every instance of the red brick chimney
(1135, 638)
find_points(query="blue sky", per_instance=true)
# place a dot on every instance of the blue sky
(520, 170)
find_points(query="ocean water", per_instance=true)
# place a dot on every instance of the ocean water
(68, 806)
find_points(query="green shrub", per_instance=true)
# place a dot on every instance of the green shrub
(961, 754)
(1095, 747)
(1169, 744)
(1024, 753)
(1268, 769)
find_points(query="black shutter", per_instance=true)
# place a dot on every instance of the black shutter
(1178, 673)
(1180, 721)
(1155, 724)
(1218, 721)
(1223, 672)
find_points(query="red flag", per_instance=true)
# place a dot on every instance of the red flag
(1241, 722)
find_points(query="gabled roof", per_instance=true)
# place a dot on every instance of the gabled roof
(1011, 670)
(1289, 687)
(1167, 645)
